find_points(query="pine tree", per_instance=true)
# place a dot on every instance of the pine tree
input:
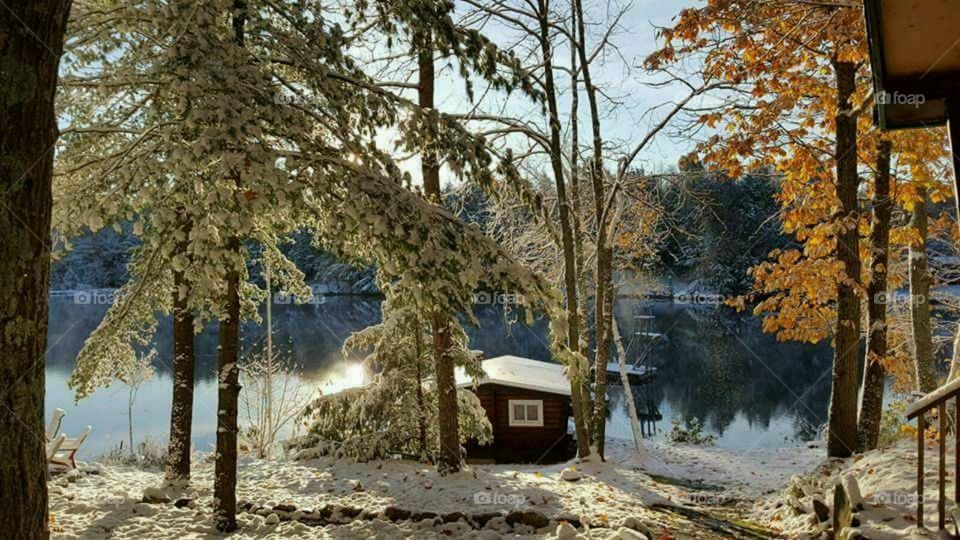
(249, 141)
(386, 416)
(30, 48)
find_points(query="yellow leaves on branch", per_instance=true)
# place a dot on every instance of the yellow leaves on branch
(782, 55)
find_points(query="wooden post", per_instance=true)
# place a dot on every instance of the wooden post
(921, 427)
(953, 125)
(942, 467)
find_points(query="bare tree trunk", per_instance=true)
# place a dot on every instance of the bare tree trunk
(421, 412)
(842, 421)
(955, 357)
(31, 40)
(627, 389)
(871, 398)
(448, 421)
(181, 412)
(580, 259)
(926, 371)
(603, 307)
(450, 459)
(581, 413)
(228, 367)
(228, 393)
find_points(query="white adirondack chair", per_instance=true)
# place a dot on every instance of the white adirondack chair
(67, 453)
(54, 446)
(54, 426)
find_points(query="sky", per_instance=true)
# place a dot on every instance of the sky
(620, 75)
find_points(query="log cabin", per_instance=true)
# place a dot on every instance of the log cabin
(529, 406)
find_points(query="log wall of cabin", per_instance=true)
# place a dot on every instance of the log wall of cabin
(522, 443)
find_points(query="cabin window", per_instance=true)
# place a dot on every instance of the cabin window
(526, 412)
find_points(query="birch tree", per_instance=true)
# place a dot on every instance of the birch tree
(544, 28)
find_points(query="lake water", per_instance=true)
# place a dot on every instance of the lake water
(714, 365)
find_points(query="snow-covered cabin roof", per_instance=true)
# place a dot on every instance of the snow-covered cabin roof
(521, 373)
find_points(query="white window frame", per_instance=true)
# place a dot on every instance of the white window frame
(514, 422)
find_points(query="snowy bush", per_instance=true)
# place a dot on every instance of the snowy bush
(891, 424)
(149, 454)
(396, 412)
(272, 396)
(692, 433)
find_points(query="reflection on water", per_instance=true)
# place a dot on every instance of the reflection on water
(714, 365)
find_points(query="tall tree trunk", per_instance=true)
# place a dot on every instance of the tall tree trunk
(31, 41)
(130, 420)
(603, 307)
(228, 394)
(450, 459)
(842, 438)
(578, 371)
(926, 371)
(181, 412)
(579, 258)
(871, 398)
(628, 390)
(955, 357)
(228, 368)
(953, 111)
(421, 410)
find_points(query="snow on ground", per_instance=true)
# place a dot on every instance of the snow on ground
(743, 474)
(607, 496)
(887, 480)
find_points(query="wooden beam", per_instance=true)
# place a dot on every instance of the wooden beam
(921, 427)
(953, 126)
(942, 467)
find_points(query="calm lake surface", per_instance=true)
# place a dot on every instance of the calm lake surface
(714, 365)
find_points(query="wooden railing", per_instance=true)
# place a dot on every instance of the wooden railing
(937, 400)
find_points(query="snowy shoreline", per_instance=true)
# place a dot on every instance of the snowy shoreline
(608, 496)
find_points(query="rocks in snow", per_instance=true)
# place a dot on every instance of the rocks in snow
(183, 502)
(420, 516)
(480, 520)
(821, 510)
(144, 509)
(288, 508)
(534, 519)
(638, 525)
(570, 474)
(852, 488)
(351, 511)
(624, 533)
(796, 487)
(514, 517)
(520, 521)
(453, 517)
(842, 510)
(565, 531)
(396, 514)
(497, 523)
(154, 495)
(272, 519)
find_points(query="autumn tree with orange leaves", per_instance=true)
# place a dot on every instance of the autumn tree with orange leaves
(802, 106)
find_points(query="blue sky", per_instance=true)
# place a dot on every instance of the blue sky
(620, 75)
